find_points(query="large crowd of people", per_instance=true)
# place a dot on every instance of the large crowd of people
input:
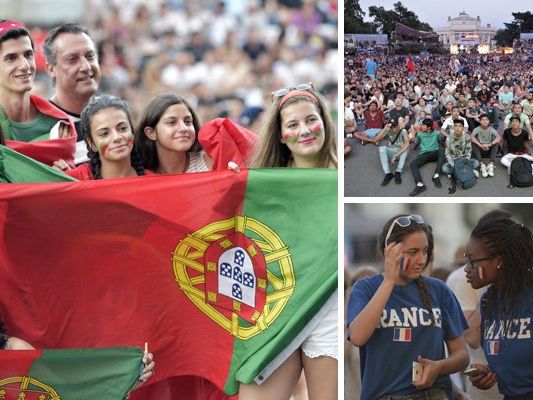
(126, 95)
(413, 103)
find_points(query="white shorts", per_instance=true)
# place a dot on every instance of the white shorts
(318, 338)
(323, 339)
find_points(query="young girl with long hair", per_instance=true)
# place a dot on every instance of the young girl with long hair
(298, 133)
(400, 318)
(500, 255)
(167, 137)
(108, 131)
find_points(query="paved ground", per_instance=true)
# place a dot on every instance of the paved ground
(363, 175)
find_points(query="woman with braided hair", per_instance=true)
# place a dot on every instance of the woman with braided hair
(108, 130)
(402, 321)
(500, 255)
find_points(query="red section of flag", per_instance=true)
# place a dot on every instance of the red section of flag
(80, 269)
(48, 151)
(225, 141)
(17, 362)
(407, 334)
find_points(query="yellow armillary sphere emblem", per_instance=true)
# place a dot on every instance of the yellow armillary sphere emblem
(20, 387)
(238, 272)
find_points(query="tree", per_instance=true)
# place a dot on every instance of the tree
(353, 18)
(523, 22)
(386, 20)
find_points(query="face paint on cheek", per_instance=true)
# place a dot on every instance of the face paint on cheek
(480, 272)
(102, 147)
(316, 130)
(290, 136)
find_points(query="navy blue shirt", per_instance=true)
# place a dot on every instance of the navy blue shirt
(405, 331)
(510, 353)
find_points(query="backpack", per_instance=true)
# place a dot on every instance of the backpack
(463, 174)
(520, 172)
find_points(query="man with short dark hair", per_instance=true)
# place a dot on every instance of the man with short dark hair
(72, 63)
(458, 145)
(29, 124)
(430, 151)
(396, 151)
(485, 138)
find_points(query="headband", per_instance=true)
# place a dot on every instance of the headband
(294, 93)
(9, 25)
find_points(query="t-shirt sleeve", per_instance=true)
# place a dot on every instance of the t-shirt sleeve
(453, 320)
(359, 298)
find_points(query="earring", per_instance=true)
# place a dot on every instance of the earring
(499, 267)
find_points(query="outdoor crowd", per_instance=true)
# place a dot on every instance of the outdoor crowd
(460, 112)
(168, 70)
(419, 332)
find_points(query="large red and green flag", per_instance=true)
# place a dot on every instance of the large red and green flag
(74, 374)
(220, 272)
(18, 168)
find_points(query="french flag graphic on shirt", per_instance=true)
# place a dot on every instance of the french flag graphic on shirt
(402, 334)
(493, 347)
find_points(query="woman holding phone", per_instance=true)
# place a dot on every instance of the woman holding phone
(402, 321)
(500, 255)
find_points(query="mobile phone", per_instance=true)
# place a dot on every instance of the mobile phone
(472, 371)
(418, 369)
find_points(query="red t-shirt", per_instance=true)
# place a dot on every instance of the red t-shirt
(83, 173)
(374, 121)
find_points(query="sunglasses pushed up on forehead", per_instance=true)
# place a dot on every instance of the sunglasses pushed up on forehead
(299, 86)
(403, 221)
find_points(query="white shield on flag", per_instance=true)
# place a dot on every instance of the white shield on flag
(236, 277)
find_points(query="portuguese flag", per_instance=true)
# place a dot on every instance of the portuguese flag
(17, 168)
(104, 374)
(220, 272)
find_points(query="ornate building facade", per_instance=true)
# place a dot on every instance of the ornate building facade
(465, 32)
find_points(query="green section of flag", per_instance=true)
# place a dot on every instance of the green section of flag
(300, 206)
(17, 168)
(87, 374)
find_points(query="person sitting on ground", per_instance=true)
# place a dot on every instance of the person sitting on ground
(374, 123)
(430, 151)
(527, 105)
(505, 99)
(515, 143)
(524, 120)
(396, 151)
(473, 113)
(400, 113)
(485, 138)
(462, 103)
(449, 123)
(349, 117)
(458, 146)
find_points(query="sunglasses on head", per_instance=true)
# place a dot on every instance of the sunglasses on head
(403, 221)
(299, 86)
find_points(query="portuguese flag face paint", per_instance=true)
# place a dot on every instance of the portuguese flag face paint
(105, 373)
(218, 271)
(316, 130)
(290, 136)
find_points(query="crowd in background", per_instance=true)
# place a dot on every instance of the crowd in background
(226, 62)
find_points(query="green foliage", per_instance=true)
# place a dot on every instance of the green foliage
(353, 19)
(523, 22)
